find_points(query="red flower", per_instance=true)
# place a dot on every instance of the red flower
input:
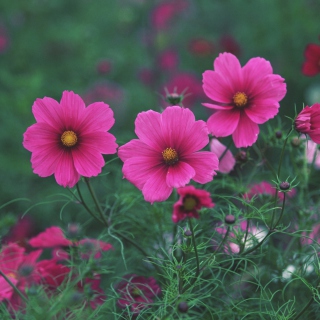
(137, 292)
(191, 200)
(201, 47)
(308, 122)
(311, 65)
(229, 44)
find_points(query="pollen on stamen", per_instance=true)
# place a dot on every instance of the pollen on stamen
(189, 203)
(69, 139)
(240, 99)
(170, 156)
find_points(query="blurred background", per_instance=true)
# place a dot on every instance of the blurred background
(125, 53)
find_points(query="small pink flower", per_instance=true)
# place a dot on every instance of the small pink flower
(168, 60)
(104, 66)
(229, 44)
(137, 292)
(191, 200)
(227, 162)
(201, 47)
(69, 139)
(4, 40)
(308, 122)
(311, 65)
(312, 153)
(166, 155)
(242, 97)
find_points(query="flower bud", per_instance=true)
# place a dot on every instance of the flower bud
(278, 134)
(295, 142)
(241, 157)
(183, 307)
(188, 233)
(74, 231)
(285, 185)
(174, 99)
(229, 219)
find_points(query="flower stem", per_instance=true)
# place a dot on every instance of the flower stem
(304, 309)
(14, 287)
(195, 247)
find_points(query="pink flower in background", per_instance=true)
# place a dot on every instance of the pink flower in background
(191, 200)
(308, 122)
(166, 154)
(228, 161)
(4, 40)
(242, 97)
(164, 13)
(69, 139)
(168, 60)
(201, 47)
(104, 66)
(266, 188)
(229, 44)
(311, 65)
(312, 237)
(312, 153)
(137, 292)
(189, 84)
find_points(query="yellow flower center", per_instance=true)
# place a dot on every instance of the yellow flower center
(240, 99)
(11, 275)
(189, 203)
(69, 138)
(170, 156)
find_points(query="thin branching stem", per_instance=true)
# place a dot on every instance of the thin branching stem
(195, 247)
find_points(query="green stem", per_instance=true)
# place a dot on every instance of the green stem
(96, 201)
(225, 151)
(14, 287)
(195, 247)
(304, 309)
(282, 210)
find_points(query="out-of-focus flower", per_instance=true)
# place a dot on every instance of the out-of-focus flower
(188, 84)
(166, 155)
(227, 162)
(4, 40)
(242, 97)
(92, 248)
(312, 153)
(311, 65)
(308, 122)
(190, 202)
(266, 188)
(104, 66)
(229, 44)
(168, 60)
(164, 13)
(201, 47)
(312, 237)
(69, 139)
(137, 292)
(147, 76)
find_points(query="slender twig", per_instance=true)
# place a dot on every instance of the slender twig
(304, 309)
(195, 247)
(14, 287)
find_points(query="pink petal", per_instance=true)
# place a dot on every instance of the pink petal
(139, 169)
(49, 111)
(156, 188)
(205, 164)
(97, 117)
(73, 109)
(88, 162)
(137, 148)
(228, 161)
(179, 175)
(11, 257)
(148, 129)
(246, 133)
(103, 142)
(229, 67)
(262, 110)
(216, 107)
(223, 123)
(65, 172)
(216, 87)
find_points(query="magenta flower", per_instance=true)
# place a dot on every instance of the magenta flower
(311, 66)
(228, 161)
(191, 200)
(308, 122)
(312, 153)
(242, 97)
(137, 292)
(166, 154)
(69, 139)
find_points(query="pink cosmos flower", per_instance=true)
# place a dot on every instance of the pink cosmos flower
(313, 236)
(228, 161)
(229, 44)
(308, 122)
(311, 65)
(69, 139)
(201, 47)
(191, 200)
(242, 97)
(137, 292)
(168, 60)
(166, 154)
(312, 153)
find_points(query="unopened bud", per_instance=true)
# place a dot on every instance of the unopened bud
(295, 142)
(74, 231)
(188, 233)
(229, 219)
(278, 134)
(183, 307)
(174, 99)
(241, 157)
(285, 185)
